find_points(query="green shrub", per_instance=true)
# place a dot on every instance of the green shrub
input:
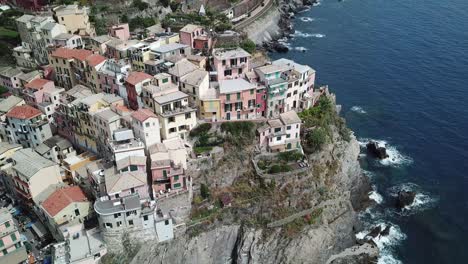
(204, 191)
(198, 130)
(316, 139)
(140, 5)
(288, 156)
(278, 168)
(200, 150)
(248, 45)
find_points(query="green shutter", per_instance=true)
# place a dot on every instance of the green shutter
(177, 185)
(176, 178)
(13, 237)
(1, 243)
(7, 224)
(164, 173)
(228, 97)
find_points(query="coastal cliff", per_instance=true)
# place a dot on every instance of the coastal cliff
(271, 229)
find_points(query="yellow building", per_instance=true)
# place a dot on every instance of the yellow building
(65, 207)
(76, 19)
(210, 106)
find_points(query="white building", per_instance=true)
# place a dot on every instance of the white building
(281, 134)
(124, 144)
(146, 126)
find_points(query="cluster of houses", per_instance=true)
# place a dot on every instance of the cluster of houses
(96, 127)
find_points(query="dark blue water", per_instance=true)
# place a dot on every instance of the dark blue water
(405, 63)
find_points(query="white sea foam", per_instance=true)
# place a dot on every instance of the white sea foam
(306, 19)
(316, 4)
(395, 158)
(374, 195)
(358, 110)
(303, 49)
(386, 243)
(300, 34)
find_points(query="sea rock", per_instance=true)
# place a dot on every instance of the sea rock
(405, 198)
(275, 46)
(375, 150)
(386, 231)
(375, 232)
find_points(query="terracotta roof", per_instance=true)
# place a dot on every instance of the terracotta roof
(23, 112)
(61, 198)
(95, 59)
(37, 84)
(137, 77)
(79, 54)
(143, 114)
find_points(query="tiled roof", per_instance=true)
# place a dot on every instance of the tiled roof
(136, 77)
(79, 54)
(189, 28)
(61, 198)
(127, 180)
(95, 59)
(143, 114)
(37, 84)
(23, 112)
(130, 160)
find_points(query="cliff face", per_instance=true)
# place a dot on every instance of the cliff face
(335, 170)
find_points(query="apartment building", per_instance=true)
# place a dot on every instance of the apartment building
(281, 134)
(9, 79)
(76, 19)
(69, 66)
(230, 63)
(271, 76)
(12, 249)
(145, 124)
(33, 91)
(33, 174)
(196, 37)
(237, 99)
(134, 85)
(27, 126)
(176, 116)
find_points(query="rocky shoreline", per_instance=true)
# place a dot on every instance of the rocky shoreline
(288, 10)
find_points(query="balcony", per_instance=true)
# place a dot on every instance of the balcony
(177, 111)
(39, 123)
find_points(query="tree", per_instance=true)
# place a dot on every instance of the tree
(204, 191)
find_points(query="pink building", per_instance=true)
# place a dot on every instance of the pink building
(12, 250)
(230, 63)
(238, 99)
(33, 91)
(112, 76)
(9, 79)
(166, 175)
(134, 85)
(196, 37)
(121, 31)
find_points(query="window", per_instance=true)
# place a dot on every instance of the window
(147, 124)
(288, 136)
(171, 119)
(288, 127)
(228, 97)
(278, 138)
(233, 61)
(132, 190)
(227, 72)
(4, 251)
(176, 178)
(145, 218)
(13, 237)
(288, 95)
(165, 80)
(238, 96)
(177, 185)
(116, 215)
(252, 91)
(119, 223)
(1, 243)
(164, 173)
(7, 224)
(17, 245)
(278, 129)
(77, 212)
(172, 130)
(224, 62)
(133, 167)
(188, 115)
(130, 222)
(239, 71)
(166, 222)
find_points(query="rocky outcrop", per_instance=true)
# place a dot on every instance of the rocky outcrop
(405, 198)
(330, 239)
(376, 151)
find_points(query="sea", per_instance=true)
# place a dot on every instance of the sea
(400, 71)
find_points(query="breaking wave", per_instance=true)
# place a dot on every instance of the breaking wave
(306, 19)
(358, 110)
(374, 195)
(303, 49)
(316, 4)
(386, 244)
(300, 34)
(395, 158)
(422, 200)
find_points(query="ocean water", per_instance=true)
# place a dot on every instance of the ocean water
(400, 70)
